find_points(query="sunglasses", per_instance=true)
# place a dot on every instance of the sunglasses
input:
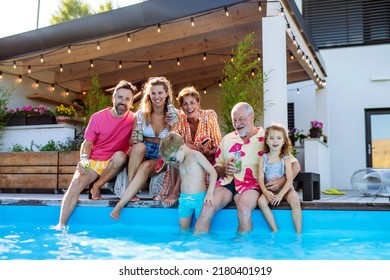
(172, 158)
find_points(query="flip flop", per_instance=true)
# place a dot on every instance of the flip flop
(333, 192)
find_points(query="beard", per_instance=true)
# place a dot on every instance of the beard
(121, 109)
(242, 131)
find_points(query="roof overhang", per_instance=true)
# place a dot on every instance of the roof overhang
(213, 35)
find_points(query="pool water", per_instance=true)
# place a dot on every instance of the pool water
(153, 234)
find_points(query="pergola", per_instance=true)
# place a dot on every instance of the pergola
(151, 38)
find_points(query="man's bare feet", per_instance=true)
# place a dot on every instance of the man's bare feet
(95, 194)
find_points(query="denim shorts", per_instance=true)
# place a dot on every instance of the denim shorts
(151, 150)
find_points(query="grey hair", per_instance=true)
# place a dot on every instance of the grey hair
(248, 108)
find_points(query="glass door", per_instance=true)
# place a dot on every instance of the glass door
(378, 137)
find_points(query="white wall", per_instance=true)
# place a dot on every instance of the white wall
(349, 91)
(27, 87)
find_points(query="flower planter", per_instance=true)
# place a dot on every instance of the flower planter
(16, 120)
(314, 133)
(37, 120)
(68, 120)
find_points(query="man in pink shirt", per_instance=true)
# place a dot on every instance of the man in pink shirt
(106, 143)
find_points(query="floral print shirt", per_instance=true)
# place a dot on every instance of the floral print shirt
(208, 127)
(251, 151)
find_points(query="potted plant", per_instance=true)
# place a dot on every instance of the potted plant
(296, 136)
(65, 114)
(38, 115)
(315, 129)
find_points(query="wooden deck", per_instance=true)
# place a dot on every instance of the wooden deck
(351, 200)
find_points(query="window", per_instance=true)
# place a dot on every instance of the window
(339, 23)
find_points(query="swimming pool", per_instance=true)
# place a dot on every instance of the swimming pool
(153, 234)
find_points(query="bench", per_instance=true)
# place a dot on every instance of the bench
(309, 182)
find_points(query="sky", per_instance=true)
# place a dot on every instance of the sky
(17, 16)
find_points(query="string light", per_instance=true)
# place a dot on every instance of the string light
(298, 92)
(281, 13)
(91, 63)
(67, 92)
(178, 61)
(253, 72)
(37, 83)
(219, 83)
(1, 74)
(204, 91)
(259, 3)
(29, 69)
(20, 78)
(52, 87)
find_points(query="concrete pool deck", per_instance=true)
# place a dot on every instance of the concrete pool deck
(351, 200)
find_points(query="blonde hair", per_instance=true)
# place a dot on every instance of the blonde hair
(188, 91)
(170, 143)
(146, 103)
(286, 148)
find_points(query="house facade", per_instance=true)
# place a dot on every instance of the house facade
(341, 84)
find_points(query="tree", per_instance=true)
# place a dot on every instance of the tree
(242, 81)
(5, 97)
(73, 9)
(95, 99)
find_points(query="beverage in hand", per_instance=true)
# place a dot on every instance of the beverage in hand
(173, 114)
(85, 162)
(140, 134)
(237, 161)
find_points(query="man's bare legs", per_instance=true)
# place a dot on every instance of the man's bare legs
(222, 197)
(114, 166)
(71, 197)
(245, 203)
(145, 170)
